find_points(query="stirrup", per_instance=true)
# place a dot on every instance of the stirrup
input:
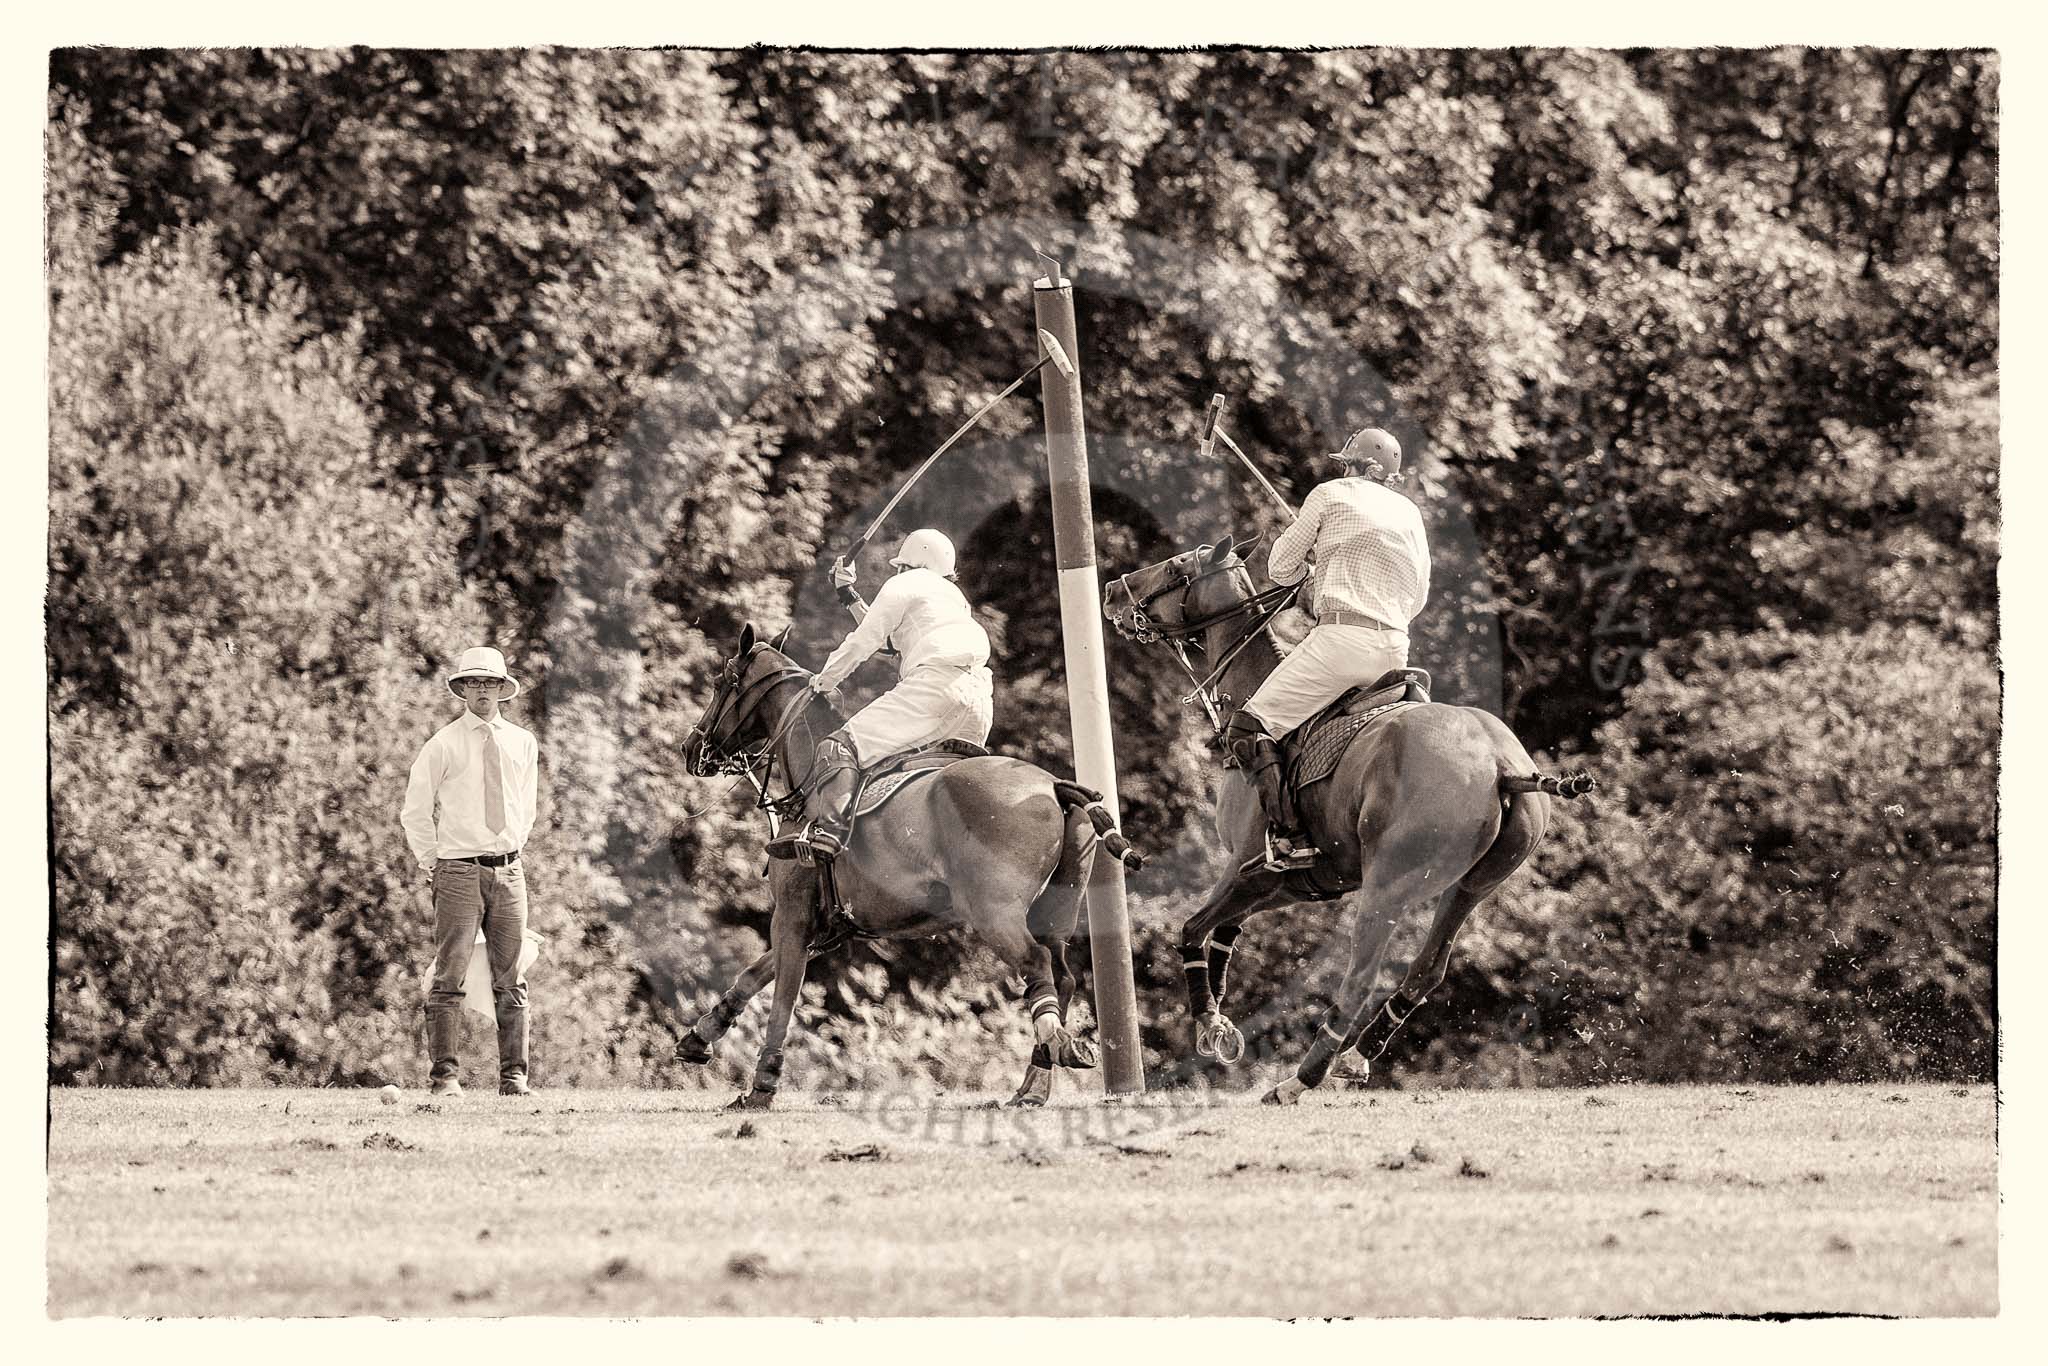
(1292, 859)
(823, 842)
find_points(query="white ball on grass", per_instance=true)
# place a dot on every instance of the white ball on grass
(389, 1095)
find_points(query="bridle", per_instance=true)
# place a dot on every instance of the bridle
(1134, 620)
(755, 765)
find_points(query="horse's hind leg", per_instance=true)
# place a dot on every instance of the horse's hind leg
(1054, 1046)
(1051, 923)
(1379, 909)
(1522, 826)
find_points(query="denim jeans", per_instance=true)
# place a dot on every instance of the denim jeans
(464, 896)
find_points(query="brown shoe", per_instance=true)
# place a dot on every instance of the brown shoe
(514, 1086)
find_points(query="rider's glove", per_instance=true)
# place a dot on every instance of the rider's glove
(842, 574)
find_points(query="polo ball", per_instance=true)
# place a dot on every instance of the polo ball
(389, 1095)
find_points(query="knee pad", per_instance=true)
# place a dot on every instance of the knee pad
(1242, 734)
(837, 750)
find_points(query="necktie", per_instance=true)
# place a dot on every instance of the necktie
(494, 785)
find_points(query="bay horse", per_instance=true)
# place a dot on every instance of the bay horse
(991, 843)
(1430, 805)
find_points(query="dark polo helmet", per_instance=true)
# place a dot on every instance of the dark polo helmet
(1371, 444)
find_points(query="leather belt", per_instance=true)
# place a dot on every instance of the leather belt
(1343, 618)
(487, 860)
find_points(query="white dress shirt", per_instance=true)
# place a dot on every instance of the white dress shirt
(444, 799)
(1371, 554)
(925, 617)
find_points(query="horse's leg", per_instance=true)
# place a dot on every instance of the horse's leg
(787, 933)
(696, 1044)
(1036, 1088)
(1221, 941)
(1051, 923)
(1379, 907)
(1233, 899)
(1522, 826)
(1054, 1046)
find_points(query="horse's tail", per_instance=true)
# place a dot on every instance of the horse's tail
(1073, 795)
(1572, 784)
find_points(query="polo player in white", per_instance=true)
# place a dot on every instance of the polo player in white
(944, 690)
(1371, 580)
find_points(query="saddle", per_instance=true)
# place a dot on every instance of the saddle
(881, 781)
(1314, 750)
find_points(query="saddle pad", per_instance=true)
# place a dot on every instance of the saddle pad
(881, 789)
(1319, 755)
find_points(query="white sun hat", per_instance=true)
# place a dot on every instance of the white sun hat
(483, 662)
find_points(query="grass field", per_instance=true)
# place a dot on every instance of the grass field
(1627, 1200)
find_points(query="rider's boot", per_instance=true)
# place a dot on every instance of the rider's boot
(834, 771)
(1255, 751)
(837, 773)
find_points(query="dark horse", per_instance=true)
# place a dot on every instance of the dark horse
(991, 843)
(1431, 805)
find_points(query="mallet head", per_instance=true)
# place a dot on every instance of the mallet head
(1055, 353)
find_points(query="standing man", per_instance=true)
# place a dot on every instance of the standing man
(1372, 578)
(944, 690)
(469, 806)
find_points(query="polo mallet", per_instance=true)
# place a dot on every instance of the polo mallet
(1211, 431)
(1055, 356)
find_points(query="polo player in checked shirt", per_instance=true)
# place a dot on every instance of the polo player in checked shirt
(1371, 580)
(469, 806)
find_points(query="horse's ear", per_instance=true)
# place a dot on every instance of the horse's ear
(781, 638)
(1221, 552)
(746, 640)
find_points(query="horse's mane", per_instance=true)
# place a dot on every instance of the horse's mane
(764, 648)
(1290, 627)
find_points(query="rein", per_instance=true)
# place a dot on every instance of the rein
(757, 766)
(1264, 605)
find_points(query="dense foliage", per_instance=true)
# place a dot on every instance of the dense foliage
(358, 357)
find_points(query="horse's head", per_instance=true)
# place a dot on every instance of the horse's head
(733, 714)
(1180, 597)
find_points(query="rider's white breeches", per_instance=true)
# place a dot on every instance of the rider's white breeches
(1320, 669)
(940, 703)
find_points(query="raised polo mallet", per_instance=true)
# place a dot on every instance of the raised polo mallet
(1055, 356)
(1211, 431)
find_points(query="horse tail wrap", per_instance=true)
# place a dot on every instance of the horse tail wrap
(1576, 783)
(1072, 795)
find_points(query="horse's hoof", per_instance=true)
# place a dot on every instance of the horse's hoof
(693, 1050)
(1288, 1092)
(1216, 1037)
(1078, 1054)
(1025, 1100)
(750, 1100)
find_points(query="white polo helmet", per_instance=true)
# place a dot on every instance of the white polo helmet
(926, 549)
